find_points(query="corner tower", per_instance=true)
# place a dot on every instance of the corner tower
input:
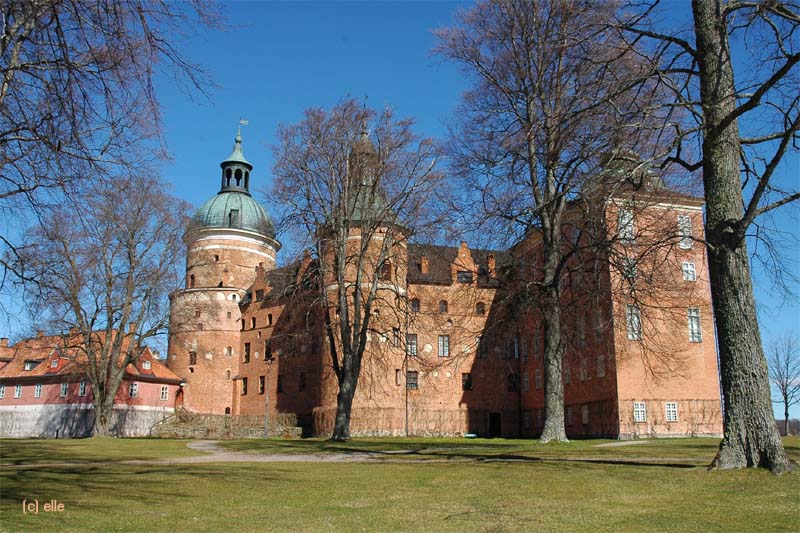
(230, 235)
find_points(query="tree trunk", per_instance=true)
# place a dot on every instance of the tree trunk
(102, 419)
(344, 405)
(553, 366)
(786, 416)
(751, 437)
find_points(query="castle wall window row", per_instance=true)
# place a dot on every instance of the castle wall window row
(688, 270)
(695, 331)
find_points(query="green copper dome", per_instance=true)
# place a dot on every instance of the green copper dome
(233, 209)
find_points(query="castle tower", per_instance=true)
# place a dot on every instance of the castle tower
(230, 235)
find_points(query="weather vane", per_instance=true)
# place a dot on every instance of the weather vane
(242, 122)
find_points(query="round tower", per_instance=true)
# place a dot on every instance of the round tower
(230, 235)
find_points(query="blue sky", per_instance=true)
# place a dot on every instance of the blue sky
(278, 59)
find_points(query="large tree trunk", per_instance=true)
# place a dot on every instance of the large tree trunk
(786, 416)
(344, 405)
(103, 413)
(751, 437)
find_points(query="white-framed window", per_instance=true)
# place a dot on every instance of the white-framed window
(37, 391)
(568, 416)
(601, 366)
(17, 391)
(2, 391)
(54, 363)
(526, 420)
(584, 369)
(695, 332)
(64, 389)
(146, 365)
(444, 345)
(539, 418)
(164, 393)
(526, 383)
(133, 390)
(685, 232)
(625, 228)
(82, 388)
(629, 266)
(411, 344)
(671, 409)
(581, 331)
(584, 414)
(633, 319)
(538, 378)
(689, 273)
(639, 412)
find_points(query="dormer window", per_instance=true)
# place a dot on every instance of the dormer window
(464, 276)
(30, 365)
(233, 216)
(146, 365)
(54, 363)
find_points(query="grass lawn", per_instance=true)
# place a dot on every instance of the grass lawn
(27, 451)
(542, 490)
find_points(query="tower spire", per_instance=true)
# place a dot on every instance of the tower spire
(235, 168)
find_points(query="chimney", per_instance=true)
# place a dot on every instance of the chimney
(39, 333)
(3, 342)
(423, 265)
(492, 266)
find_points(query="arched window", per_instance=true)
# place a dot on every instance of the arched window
(246, 180)
(191, 281)
(228, 177)
(269, 319)
(480, 308)
(219, 284)
(238, 177)
(442, 306)
(228, 409)
(192, 358)
(415, 305)
(216, 258)
(233, 297)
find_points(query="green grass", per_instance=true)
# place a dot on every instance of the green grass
(97, 449)
(543, 490)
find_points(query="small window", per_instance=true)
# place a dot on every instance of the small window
(395, 336)
(64, 389)
(629, 268)
(695, 331)
(82, 388)
(259, 295)
(244, 386)
(146, 365)
(280, 382)
(233, 218)
(229, 315)
(197, 313)
(253, 323)
(192, 358)
(246, 354)
(466, 381)
(464, 276)
(17, 391)
(229, 351)
(2, 391)
(262, 383)
(269, 319)
(689, 273)
(385, 273)
(480, 308)
(601, 366)
(584, 369)
(200, 327)
(567, 373)
(411, 344)
(585, 415)
(30, 365)
(412, 380)
(512, 384)
(568, 416)
(234, 297)
(415, 305)
(685, 232)
(133, 390)
(639, 412)
(444, 345)
(164, 393)
(37, 391)
(671, 411)
(538, 379)
(526, 383)
(216, 258)
(625, 226)
(483, 349)
(54, 363)
(539, 418)
(301, 383)
(268, 351)
(633, 320)
(191, 281)
(398, 377)
(443, 306)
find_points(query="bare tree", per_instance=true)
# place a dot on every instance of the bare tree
(742, 127)
(554, 95)
(106, 266)
(784, 372)
(356, 193)
(77, 95)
